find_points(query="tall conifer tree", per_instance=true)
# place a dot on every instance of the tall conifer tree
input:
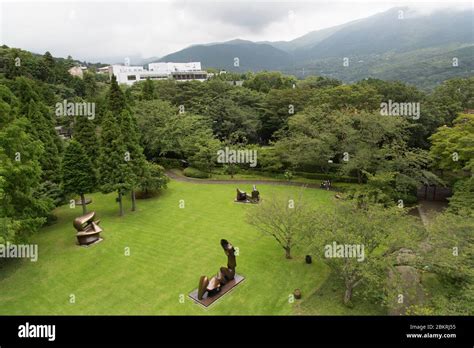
(115, 172)
(77, 172)
(85, 134)
(136, 159)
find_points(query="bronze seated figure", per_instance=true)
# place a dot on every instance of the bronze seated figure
(255, 195)
(88, 230)
(225, 274)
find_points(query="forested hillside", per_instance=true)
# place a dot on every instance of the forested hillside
(399, 44)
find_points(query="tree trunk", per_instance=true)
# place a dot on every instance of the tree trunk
(348, 294)
(351, 284)
(359, 177)
(134, 205)
(83, 202)
(287, 252)
(119, 199)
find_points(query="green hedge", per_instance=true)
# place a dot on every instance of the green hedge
(195, 173)
(168, 163)
(314, 176)
(330, 176)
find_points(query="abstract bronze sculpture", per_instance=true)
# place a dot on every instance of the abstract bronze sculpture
(243, 197)
(88, 230)
(326, 184)
(224, 275)
(79, 201)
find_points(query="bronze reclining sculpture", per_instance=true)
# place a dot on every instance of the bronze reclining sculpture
(242, 196)
(224, 275)
(88, 230)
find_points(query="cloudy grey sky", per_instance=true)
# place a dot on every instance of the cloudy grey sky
(101, 30)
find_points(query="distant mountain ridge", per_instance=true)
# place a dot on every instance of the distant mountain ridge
(308, 40)
(237, 55)
(399, 39)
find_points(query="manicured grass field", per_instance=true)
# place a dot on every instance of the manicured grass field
(275, 177)
(170, 248)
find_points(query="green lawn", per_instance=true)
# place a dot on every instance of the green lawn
(170, 249)
(275, 177)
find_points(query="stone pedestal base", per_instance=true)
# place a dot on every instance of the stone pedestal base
(208, 300)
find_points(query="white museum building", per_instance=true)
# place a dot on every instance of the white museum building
(127, 74)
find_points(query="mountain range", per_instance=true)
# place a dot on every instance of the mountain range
(400, 44)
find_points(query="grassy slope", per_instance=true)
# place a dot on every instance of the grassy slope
(170, 249)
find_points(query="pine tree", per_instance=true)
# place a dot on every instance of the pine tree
(129, 98)
(115, 98)
(77, 172)
(85, 134)
(136, 159)
(49, 60)
(90, 85)
(115, 172)
(50, 65)
(41, 126)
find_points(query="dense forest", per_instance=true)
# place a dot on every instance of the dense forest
(316, 127)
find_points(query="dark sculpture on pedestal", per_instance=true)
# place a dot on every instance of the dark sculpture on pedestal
(88, 230)
(224, 275)
(243, 197)
(255, 195)
(326, 184)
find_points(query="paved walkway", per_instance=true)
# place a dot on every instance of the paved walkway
(179, 177)
(428, 209)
